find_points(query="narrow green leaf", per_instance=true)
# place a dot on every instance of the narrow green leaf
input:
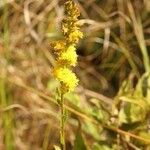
(97, 146)
(79, 142)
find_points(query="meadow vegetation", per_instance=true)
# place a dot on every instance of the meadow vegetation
(39, 44)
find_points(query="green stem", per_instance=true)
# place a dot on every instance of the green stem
(6, 116)
(5, 96)
(145, 57)
(62, 123)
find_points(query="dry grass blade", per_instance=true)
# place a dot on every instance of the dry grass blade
(138, 30)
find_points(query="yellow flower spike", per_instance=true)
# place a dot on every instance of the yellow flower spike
(70, 26)
(65, 50)
(68, 57)
(67, 79)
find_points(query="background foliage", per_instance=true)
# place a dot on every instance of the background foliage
(110, 108)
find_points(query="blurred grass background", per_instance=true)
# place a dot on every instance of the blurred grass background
(115, 47)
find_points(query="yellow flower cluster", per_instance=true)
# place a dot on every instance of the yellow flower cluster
(65, 50)
(69, 57)
(67, 78)
(70, 27)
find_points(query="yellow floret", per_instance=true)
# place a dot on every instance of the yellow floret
(75, 36)
(58, 46)
(67, 79)
(68, 57)
(71, 9)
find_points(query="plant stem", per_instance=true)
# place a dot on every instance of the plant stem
(6, 116)
(5, 95)
(62, 123)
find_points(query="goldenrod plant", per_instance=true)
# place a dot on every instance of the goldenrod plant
(65, 51)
